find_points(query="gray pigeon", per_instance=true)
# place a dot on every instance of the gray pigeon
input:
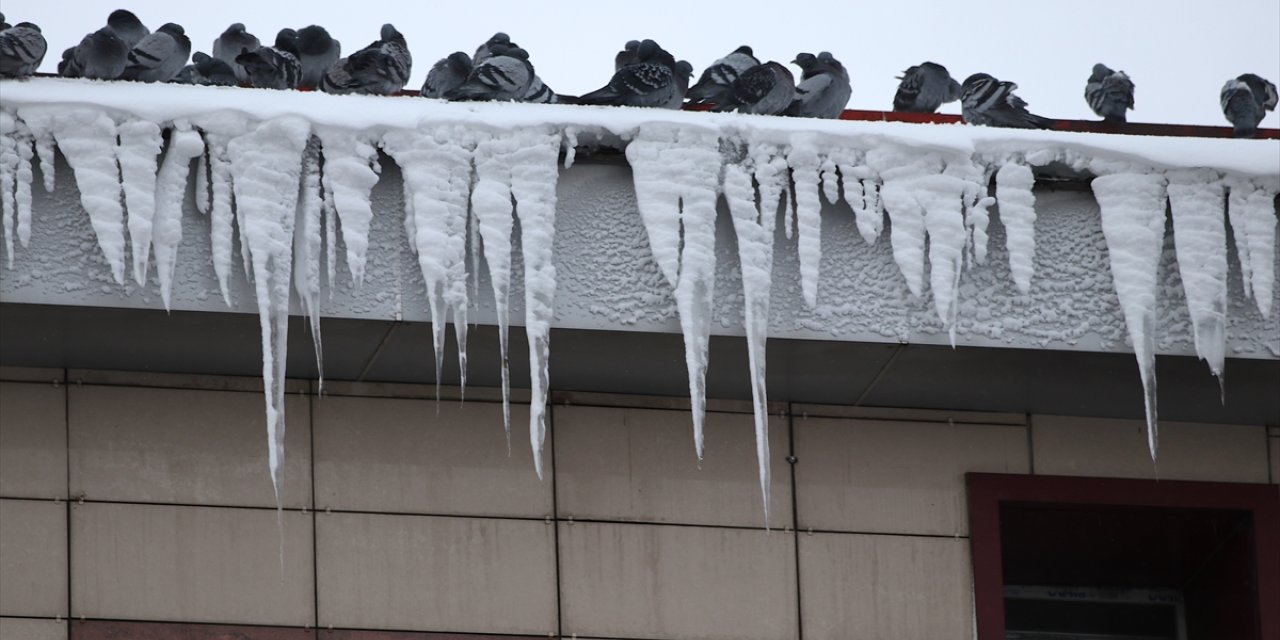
(337, 81)
(1109, 93)
(101, 55)
(207, 70)
(504, 77)
(499, 40)
(22, 49)
(233, 42)
(924, 88)
(1246, 99)
(540, 93)
(766, 89)
(160, 56)
(824, 88)
(446, 75)
(317, 51)
(649, 82)
(3, 25)
(990, 102)
(128, 27)
(274, 67)
(684, 72)
(383, 67)
(716, 81)
(627, 56)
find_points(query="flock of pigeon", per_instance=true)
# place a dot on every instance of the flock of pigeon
(645, 75)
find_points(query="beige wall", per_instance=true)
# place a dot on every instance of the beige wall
(146, 497)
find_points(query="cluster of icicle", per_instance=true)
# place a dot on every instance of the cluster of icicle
(290, 188)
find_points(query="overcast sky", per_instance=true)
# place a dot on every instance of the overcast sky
(1178, 52)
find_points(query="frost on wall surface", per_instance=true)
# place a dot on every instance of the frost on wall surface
(291, 197)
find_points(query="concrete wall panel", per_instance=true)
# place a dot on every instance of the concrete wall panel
(33, 440)
(33, 558)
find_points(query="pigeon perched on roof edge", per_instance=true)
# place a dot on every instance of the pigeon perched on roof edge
(990, 102)
(924, 88)
(717, 80)
(1245, 100)
(1109, 93)
(824, 88)
(22, 49)
(317, 52)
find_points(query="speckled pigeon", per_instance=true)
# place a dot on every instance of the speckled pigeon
(650, 82)
(716, 81)
(990, 102)
(1109, 93)
(274, 67)
(766, 89)
(1246, 99)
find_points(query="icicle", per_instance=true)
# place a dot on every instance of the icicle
(830, 179)
(218, 132)
(533, 185)
(1251, 209)
(350, 171)
(677, 172)
(977, 217)
(754, 228)
(804, 163)
(306, 249)
(330, 239)
(901, 173)
(8, 173)
(1017, 211)
(1196, 198)
(87, 138)
(266, 166)
(23, 179)
(202, 183)
(943, 198)
(170, 192)
(1133, 209)
(493, 208)
(436, 163)
(570, 146)
(139, 145)
(43, 137)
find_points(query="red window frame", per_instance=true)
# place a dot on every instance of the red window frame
(986, 492)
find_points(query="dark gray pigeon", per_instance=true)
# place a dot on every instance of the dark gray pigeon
(128, 27)
(101, 55)
(924, 88)
(628, 55)
(716, 81)
(446, 75)
(383, 67)
(22, 49)
(1246, 99)
(824, 88)
(274, 67)
(766, 89)
(3, 24)
(1109, 93)
(160, 56)
(233, 42)
(990, 102)
(499, 41)
(649, 82)
(337, 81)
(504, 77)
(684, 73)
(317, 51)
(207, 70)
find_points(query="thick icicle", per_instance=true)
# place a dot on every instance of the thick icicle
(87, 138)
(1133, 207)
(436, 163)
(1018, 214)
(493, 209)
(677, 173)
(901, 174)
(170, 192)
(943, 199)
(1251, 209)
(805, 164)
(43, 137)
(533, 185)
(1196, 198)
(350, 171)
(307, 249)
(202, 183)
(139, 146)
(8, 173)
(266, 166)
(24, 177)
(754, 228)
(218, 132)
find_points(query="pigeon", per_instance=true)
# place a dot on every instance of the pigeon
(1109, 93)
(924, 88)
(128, 27)
(274, 67)
(22, 49)
(684, 71)
(207, 70)
(649, 82)
(317, 52)
(337, 81)
(766, 89)
(485, 51)
(987, 101)
(233, 42)
(540, 93)
(824, 88)
(504, 77)
(627, 56)
(716, 81)
(1246, 99)
(383, 67)
(446, 75)
(160, 56)
(3, 25)
(101, 55)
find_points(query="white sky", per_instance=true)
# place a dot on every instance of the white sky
(1178, 52)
